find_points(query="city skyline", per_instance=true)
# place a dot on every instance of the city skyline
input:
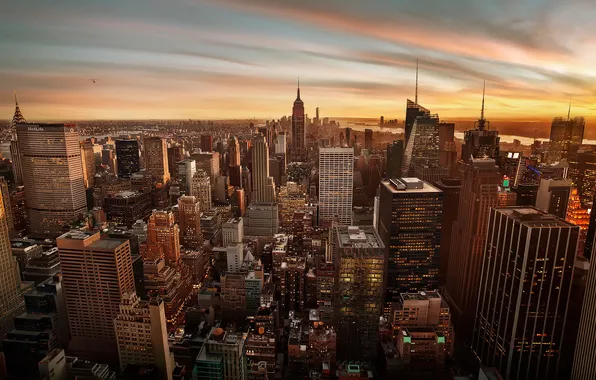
(193, 59)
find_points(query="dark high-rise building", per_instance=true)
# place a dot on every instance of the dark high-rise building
(413, 111)
(510, 166)
(591, 233)
(526, 194)
(126, 207)
(349, 136)
(156, 159)
(410, 227)
(16, 163)
(358, 298)
(54, 183)
(524, 290)
(206, 143)
(584, 362)
(368, 139)
(480, 142)
(298, 129)
(127, 154)
(553, 196)
(234, 152)
(422, 147)
(480, 191)
(175, 155)
(451, 188)
(395, 153)
(582, 170)
(563, 133)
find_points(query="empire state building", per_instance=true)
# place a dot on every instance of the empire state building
(298, 131)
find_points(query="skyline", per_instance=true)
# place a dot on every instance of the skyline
(230, 60)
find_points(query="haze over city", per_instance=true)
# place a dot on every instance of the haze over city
(240, 59)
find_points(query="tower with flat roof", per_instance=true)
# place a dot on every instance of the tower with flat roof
(156, 159)
(336, 182)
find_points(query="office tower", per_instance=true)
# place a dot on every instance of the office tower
(211, 226)
(480, 142)
(281, 143)
(336, 180)
(142, 336)
(41, 328)
(451, 188)
(238, 201)
(54, 183)
(291, 198)
(222, 356)
(163, 238)
(368, 139)
(263, 185)
(395, 152)
(175, 155)
(413, 111)
(510, 166)
(358, 299)
(262, 219)
(298, 129)
(348, 136)
(127, 154)
(578, 216)
(96, 273)
(156, 159)
(422, 147)
(206, 143)
(479, 192)
(582, 170)
(16, 162)
(126, 207)
(233, 231)
(410, 227)
(186, 171)
(189, 216)
(526, 194)
(591, 232)
(88, 162)
(521, 317)
(201, 189)
(553, 196)
(208, 162)
(234, 152)
(563, 133)
(7, 206)
(234, 256)
(292, 273)
(172, 285)
(19, 210)
(11, 301)
(447, 148)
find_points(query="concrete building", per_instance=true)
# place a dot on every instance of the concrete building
(298, 129)
(208, 162)
(54, 183)
(142, 335)
(358, 298)
(526, 341)
(451, 188)
(235, 256)
(262, 219)
(201, 189)
(163, 237)
(186, 172)
(189, 217)
(233, 231)
(553, 196)
(336, 180)
(156, 159)
(410, 226)
(222, 356)
(126, 207)
(263, 186)
(89, 261)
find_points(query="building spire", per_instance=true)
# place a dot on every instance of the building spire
(482, 121)
(298, 92)
(416, 95)
(18, 116)
(569, 111)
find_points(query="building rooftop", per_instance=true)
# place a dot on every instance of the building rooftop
(358, 237)
(420, 296)
(77, 235)
(533, 217)
(108, 243)
(409, 185)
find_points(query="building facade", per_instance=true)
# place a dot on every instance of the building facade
(127, 155)
(336, 182)
(156, 159)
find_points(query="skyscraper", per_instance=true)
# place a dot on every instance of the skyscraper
(591, 232)
(451, 188)
(189, 216)
(201, 189)
(422, 147)
(336, 178)
(156, 158)
(17, 118)
(263, 185)
(395, 153)
(96, 273)
(186, 170)
(88, 158)
(413, 111)
(447, 148)
(52, 174)
(368, 139)
(410, 227)
(11, 302)
(206, 143)
(480, 142)
(142, 336)
(563, 133)
(480, 188)
(127, 154)
(298, 130)
(16, 162)
(163, 238)
(553, 196)
(7, 206)
(234, 152)
(524, 292)
(358, 299)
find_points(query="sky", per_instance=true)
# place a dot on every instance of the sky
(224, 59)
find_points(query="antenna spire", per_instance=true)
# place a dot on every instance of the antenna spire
(16, 102)
(569, 111)
(298, 92)
(483, 92)
(416, 95)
